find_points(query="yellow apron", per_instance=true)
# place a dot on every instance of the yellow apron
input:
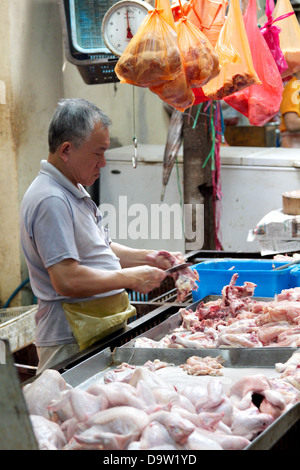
(93, 320)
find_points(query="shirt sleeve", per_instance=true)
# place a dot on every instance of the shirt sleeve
(53, 232)
(291, 98)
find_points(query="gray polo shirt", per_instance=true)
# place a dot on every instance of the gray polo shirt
(60, 221)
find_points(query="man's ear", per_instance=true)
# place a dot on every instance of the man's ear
(64, 151)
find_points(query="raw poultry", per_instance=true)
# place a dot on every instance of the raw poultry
(185, 279)
(139, 410)
(236, 320)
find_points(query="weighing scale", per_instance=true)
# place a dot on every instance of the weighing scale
(121, 22)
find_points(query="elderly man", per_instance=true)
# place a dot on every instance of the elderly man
(77, 273)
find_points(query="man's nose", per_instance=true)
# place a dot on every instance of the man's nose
(102, 162)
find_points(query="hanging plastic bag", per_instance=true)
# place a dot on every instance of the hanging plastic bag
(271, 34)
(237, 70)
(259, 103)
(208, 16)
(200, 61)
(289, 36)
(176, 92)
(152, 56)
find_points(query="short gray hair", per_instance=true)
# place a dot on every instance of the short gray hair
(74, 121)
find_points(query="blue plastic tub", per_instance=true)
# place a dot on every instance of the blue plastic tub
(215, 274)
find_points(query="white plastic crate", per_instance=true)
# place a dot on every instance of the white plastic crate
(17, 324)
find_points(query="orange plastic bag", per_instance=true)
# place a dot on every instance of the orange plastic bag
(152, 56)
(200, 61)
(237, 70)
(177, 92)
(289, 36)
(208, 16)
(259, 103)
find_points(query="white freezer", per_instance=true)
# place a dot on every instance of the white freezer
(253, 180)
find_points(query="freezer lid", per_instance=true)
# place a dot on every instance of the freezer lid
(146, 153)
(260, 156)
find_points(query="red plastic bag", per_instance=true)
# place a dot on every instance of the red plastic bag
(271, 34)
(259, 103)
(289, 36)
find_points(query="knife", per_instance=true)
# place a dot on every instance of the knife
(173, 269)
(287, 265)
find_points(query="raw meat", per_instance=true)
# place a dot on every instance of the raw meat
(149, 413)
(203, 365)
(236, 320)
(38, 395)
(185, 279)
(48, 434)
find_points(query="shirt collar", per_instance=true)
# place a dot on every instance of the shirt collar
(50, 170)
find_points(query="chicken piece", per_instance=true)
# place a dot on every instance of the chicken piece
(178, 427)
(47, 387)
(48, 434)
(249, 423)
(242, 391)
(117, 394)
(185, 279)
(215, 396)
(113, 428)
(154, 435)
(292, 363)
(194, 393)
(289, 391)
(200, 441)
(269, 332)
(173, 399)
(152, 380)
(79, 404)
(216, 402)
(204, 419)
(203, 365)
(238, 340)
(227, 441)
(292, 294)
(284, 310)
(94, 438)
(199, 340)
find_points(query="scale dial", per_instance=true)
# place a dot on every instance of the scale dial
(121, 22)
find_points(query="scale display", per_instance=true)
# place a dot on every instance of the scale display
(121, 22)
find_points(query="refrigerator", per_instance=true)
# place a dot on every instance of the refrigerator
(252, 180)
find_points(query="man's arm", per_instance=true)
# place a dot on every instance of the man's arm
(130, 257)
(71, 279)
(292, 122)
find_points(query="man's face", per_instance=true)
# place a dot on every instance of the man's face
(84, 162)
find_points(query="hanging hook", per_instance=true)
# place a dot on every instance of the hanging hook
(134, 158)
